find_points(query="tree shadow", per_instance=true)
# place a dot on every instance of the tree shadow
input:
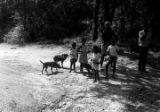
(151, 60)
(136, 91)
(131, 56)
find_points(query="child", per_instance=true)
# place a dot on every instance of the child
(103, 52)
(113, 55)
(83, 60)
(95, 62)
(73, 57)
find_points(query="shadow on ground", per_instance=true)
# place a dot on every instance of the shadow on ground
(138, 92)
(151, 60)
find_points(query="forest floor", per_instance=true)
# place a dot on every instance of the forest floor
(25, 89)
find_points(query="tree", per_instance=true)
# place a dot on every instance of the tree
(95, 34)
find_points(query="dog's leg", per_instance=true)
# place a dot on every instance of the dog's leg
(42, 69)
(46, 70)
(51, 69)
(62, 64)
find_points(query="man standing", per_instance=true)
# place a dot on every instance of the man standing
(107, 34)
(143, 43)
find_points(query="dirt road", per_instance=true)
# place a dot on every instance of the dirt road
(25, 89)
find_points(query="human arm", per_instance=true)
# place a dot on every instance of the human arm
(79, 49)
(96, 59)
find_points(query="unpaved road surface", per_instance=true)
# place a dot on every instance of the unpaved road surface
(24, 89)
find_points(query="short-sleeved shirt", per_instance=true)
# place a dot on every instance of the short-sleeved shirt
(73, 54)
(95, 60)
(83, 56)
(113, 50)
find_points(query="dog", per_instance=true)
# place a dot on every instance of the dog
(50, 64)
(60, 58)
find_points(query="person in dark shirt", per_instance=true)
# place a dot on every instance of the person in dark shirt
(143, 43)
(107, 35)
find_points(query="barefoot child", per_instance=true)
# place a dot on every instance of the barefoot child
(113, 55)
(83, 60)
(73, 57)
(95, 61)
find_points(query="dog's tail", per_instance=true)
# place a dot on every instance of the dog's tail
(41, 62)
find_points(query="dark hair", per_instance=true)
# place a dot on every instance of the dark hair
(113, 41)
(107, 24)
(96, 49)
(83, 40)
(74, 45)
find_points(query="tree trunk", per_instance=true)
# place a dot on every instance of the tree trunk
(95, 33)
(106, 13)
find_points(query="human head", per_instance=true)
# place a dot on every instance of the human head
(73, 45)
(83, 41)
(141, 33)
(107, 24)
(95, 49)
(113, 41)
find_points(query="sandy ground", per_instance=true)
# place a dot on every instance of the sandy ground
(25, 89)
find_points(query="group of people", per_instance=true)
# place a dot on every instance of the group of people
(96, 62)
(108, 47)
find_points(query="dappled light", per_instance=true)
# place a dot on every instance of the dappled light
(79, 56)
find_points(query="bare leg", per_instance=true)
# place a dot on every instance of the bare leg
(51, 70)
(42, 69)
(81, 67)
(107, 65)
(46, 70)
(71, 66)
(102, 59)
(89, 73)
(96, 76)
(62, 64)
(114, 69)
(74, 65)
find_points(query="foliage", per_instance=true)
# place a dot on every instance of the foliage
(57, 19)
(48, 19)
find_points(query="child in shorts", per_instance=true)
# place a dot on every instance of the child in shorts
(83, 59)
(73, 57)
(112, 50)
(95, 61)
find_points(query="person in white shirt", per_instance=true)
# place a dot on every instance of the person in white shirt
(73, 57)
(112, 51)
(95, 61)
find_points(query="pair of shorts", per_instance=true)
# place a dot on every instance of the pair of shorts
(73, 60)
(113, 58)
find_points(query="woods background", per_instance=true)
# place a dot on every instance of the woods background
(39, 20)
